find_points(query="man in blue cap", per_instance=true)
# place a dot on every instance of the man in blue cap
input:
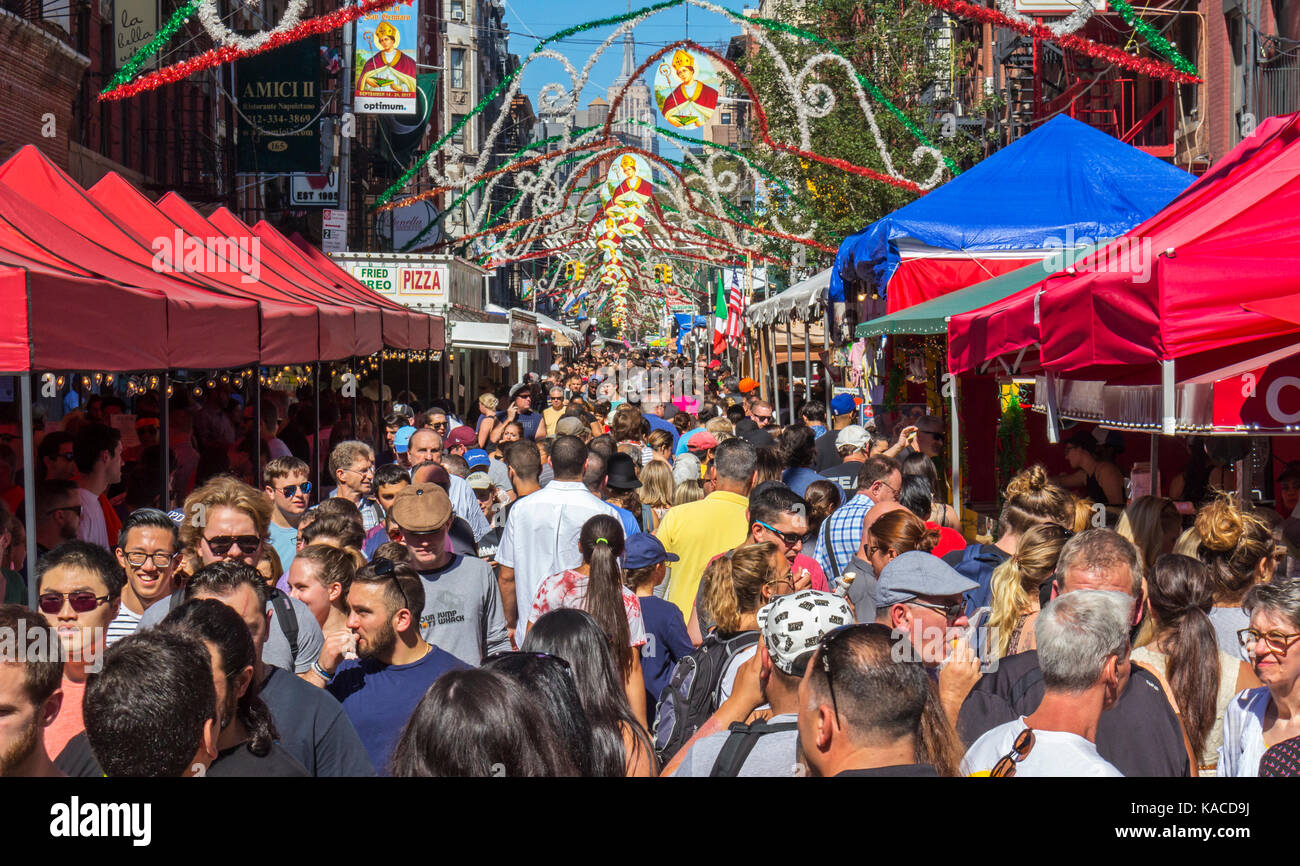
(922, 596)
(644, 568)
(402, 446)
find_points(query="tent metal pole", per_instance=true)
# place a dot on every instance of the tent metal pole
(826, 367)
(315, 447)
(807, 364)
(354, 368)
(165, 440)
(257, 433)
(379, 407)
(29, 483)
(1155, 459)
(955, 447)
(789, 367)
(776, 383)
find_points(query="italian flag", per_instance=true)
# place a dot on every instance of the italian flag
(720, 319)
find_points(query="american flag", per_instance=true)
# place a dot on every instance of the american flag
(735, 328)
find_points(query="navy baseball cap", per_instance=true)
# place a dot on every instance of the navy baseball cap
(643, 549)
(477, 458)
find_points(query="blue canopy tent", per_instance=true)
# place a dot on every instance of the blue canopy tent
(1063, 186)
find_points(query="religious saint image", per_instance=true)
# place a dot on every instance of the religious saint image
(386, 80)
(628, 190)
(687, 89)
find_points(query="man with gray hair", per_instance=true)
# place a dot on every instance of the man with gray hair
(1083, 651)
(1139, 734)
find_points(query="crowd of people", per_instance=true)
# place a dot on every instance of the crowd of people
(601, 572)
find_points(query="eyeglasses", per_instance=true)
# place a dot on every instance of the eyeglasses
(387, 568)
(1005, 768)
(790, 538)
(220, 545)
(438, 424)
(73, 508)
(762, 419)
(66, 455)
(162, 560)
(292, 489)
(1277, 642)
(82, 601)
(951, 610)
(369, 470)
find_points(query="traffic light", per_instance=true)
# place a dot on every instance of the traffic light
(668, 274)
(579, 270)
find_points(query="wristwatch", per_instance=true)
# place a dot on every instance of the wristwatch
(320, 672)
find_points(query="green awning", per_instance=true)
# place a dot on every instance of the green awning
(931, 317)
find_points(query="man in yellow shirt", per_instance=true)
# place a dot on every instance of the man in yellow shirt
(555, 411)
(699, 531)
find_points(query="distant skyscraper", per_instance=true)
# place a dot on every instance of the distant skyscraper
(637, 104)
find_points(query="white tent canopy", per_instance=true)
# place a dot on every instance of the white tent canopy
(801, 301)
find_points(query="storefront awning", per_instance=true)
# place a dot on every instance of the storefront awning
(801, 301)
(489, 336)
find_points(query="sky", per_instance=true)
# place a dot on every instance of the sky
(541, 18)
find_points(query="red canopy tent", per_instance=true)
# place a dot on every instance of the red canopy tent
(1171, 289)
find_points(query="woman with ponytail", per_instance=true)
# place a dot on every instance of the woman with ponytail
(1199, 678)
(733, 588)
(1237, 547)
(1015, 587)
(597, 587)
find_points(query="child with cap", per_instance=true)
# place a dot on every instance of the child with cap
(402, 444)
(644, 568)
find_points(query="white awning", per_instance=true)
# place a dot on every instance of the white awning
(479, 335)
(801, 301)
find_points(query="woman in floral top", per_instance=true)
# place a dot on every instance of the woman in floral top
(597, 587)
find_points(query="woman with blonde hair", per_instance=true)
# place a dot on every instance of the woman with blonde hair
(1153, 524)
(487, 408)
(1237, 547)
(733, 588)
(656, 493)
(1015, 587)
(690, 490)
(660, 443)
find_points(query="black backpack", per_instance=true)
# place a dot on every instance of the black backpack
(741, 742)
(693, 692)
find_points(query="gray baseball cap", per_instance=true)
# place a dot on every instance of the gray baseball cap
(917, 573)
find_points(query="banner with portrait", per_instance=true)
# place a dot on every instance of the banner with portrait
(686, 89)
(384, 70)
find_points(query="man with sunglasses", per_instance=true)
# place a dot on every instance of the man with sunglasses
(861, 706)
(921, 596)
(290, 493)
(226, 520)
(1083, 652)
(148, 549)
(79, 589)
(394, 664)
(57, 457)
(1139, 734)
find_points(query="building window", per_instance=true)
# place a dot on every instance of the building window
(458, 68)
(459, 137)
(726, 118)
(457, 10)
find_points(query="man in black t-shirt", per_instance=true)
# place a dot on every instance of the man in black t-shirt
(1140, 734)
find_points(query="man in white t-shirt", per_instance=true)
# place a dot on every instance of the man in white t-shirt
(98, 452)
(1083, 649)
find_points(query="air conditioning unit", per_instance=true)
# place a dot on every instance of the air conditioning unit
(458, 15)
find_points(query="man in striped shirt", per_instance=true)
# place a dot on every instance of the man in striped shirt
(879, 480)
(147, 549)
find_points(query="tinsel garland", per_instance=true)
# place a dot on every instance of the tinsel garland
(210, 18)
(1068, 24)
(229, 53)
(1154, 38)
(1108, 53)
(132, 66)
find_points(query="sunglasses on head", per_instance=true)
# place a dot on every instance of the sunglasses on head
(828, 642)
(387, 568)
(292, 489)
(220, 545)
(81, 601)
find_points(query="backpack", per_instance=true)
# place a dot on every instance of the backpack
(693, 692)
(976, 564)
(741, 742)
(284, 614)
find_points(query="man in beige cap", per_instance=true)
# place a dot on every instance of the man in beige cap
(462, 611)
